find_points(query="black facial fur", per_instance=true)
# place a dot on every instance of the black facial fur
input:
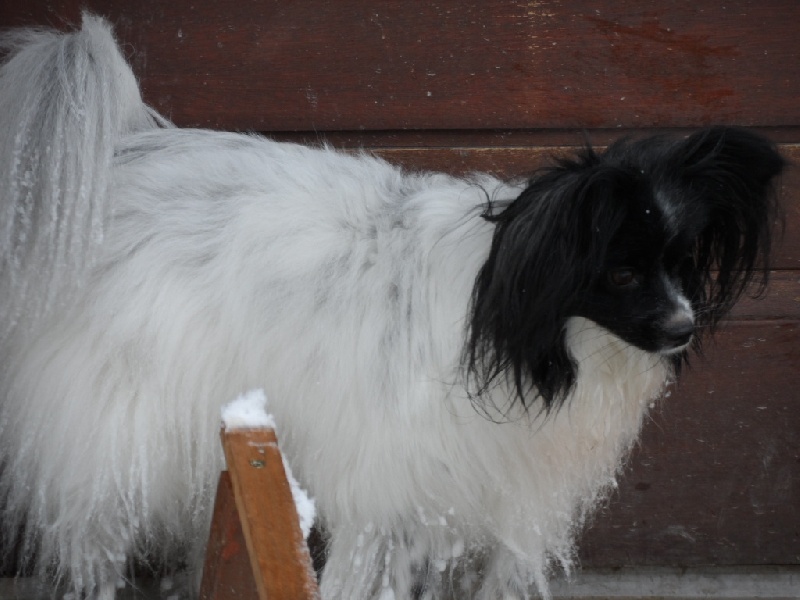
(619, 238)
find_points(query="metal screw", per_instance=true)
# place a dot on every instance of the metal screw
(258, 464)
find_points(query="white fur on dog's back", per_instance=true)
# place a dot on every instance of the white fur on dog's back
(340, 285)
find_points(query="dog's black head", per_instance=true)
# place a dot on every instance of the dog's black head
(652, 239)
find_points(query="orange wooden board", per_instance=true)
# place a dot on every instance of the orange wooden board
(278, 555)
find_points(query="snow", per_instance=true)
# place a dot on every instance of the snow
(306, 508)
(249, 411)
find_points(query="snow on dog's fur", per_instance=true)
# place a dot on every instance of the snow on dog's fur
(457, 366)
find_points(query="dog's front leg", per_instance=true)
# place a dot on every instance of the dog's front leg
(362, 565)
(506, 576)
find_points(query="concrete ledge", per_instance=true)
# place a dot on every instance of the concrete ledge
(719, 583)
(641, 583)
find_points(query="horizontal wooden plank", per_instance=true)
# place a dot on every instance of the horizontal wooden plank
(499, 138)
(781, 300)
(716, 478)
(351, 65)
(516, 161)
(513, 162)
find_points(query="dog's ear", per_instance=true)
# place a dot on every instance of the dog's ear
(730, 175)
(548, 246)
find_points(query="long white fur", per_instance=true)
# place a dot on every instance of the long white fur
(65, 101)
(192, 266)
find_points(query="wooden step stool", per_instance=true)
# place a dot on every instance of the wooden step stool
(256, 550)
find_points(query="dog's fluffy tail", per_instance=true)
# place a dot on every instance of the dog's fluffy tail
(65, 101)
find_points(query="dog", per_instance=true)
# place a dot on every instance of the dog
(458, 367)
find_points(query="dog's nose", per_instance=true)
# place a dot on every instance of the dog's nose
(678, 331)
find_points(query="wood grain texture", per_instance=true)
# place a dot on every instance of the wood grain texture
(716, 478)
(227, 572)
(500, 86)
(781, 300)
(352, 65)
(499, 138)
(513, 162)
(278, 554)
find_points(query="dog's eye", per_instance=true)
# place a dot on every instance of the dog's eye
(624, 277)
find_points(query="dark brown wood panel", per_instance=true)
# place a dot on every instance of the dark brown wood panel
(716, 479)
(499, 138)
(781, 300)
(351, 65)
(227, 572)
(500, 86)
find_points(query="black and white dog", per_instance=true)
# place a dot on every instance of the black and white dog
(457, 366)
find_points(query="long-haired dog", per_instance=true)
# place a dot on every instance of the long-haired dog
(457, 366)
